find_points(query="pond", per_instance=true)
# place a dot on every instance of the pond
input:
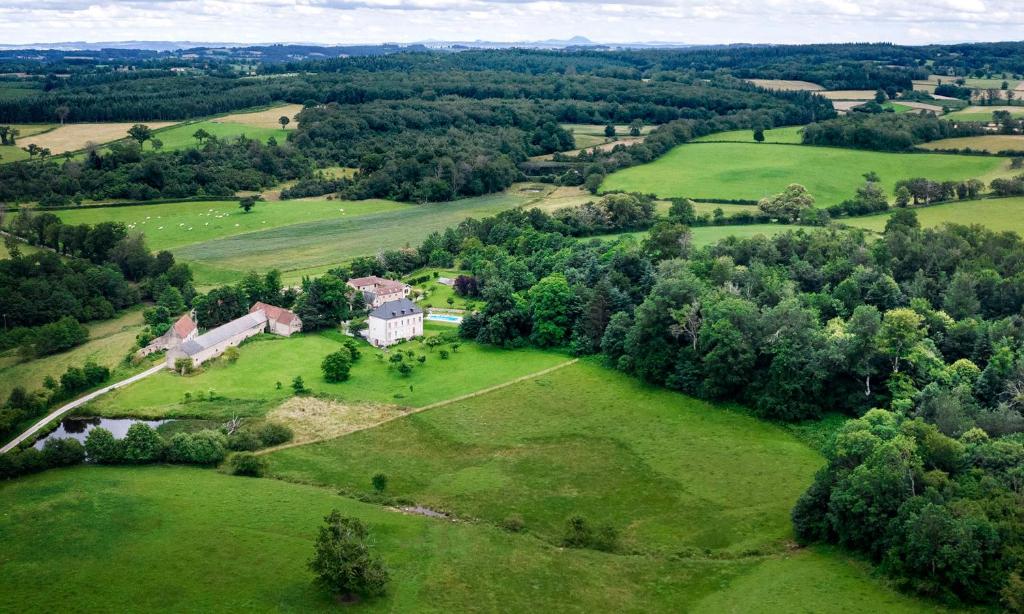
(78, 428)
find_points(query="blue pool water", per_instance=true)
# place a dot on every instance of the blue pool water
(442, 317)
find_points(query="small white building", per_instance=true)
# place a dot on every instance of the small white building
(213, 343)
(394, 321)
(377, 290)
(280, 321)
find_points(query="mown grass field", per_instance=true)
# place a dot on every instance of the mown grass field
(109, 342)
(993, 143)
(172, 225)
(184, 539)
(13, 153)
(73, 137)
(755, 170)
(787, 85)
(999, 214)
(180, 137)
(669, 472)
(983, 113)
(249, 385)
(588, 135)
(788, 134)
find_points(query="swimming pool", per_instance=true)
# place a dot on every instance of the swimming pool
(443, 317)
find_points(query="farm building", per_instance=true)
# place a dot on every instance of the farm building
(280, 321)
(184, 329)
(394, 321)
(213, 343)
(377, 290)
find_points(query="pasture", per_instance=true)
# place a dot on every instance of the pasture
(245, 547)
(180, 137)
(788, 134)
(74, 137)
(265, 118)
(755, 170)
(250, 384)
(992, 143)
(588, 135)
(787, 85)
(983, 113)
(849, 94)
(669, 472)
(998, 214)
(109, 342)
(13, 153)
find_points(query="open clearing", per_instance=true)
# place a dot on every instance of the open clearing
(13, 153)
(244, 546)
(983, 113)
(180, 137)
(266, 118)
(786, 85)
(670, 472)
(72, 137)
(588, 135)
(997, 214)
(754, 170)
(849, 94)
(250, 384)
(993, 143)
(109, 342)
(788, 134)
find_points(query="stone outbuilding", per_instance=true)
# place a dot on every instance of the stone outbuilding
(213, 343)
(377, 290)
(184, 329)
(280, 321)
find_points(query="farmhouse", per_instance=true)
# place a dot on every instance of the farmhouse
(394, 321)
(280, 321)
(181, 331)
(377, 290)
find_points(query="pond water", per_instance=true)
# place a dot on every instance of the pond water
(78, 428)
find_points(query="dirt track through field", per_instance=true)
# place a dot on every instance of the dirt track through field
(389, 416)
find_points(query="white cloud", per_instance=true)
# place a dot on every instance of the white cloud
(366, 21)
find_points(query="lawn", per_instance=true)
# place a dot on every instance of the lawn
(992, 143)
(312, 247)
(173, 225)
(109, 342)
(670, 472)
(755, 170)
(788, 134)
(249, 385)
(998, 214)
(437, 294)
(152, 539)
(180, 137)
(983, 113)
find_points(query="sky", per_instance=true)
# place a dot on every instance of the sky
(376, 21)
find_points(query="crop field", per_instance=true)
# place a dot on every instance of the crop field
(849, 94)
(13, 153)
(312, 247)
(993, 143)
(671, 473)
(983, 113)
(251, 382)
(755, 170)
(172, 225)
(246, 546)
(73, 137)
(109, 342)
(787, 85)
(266, 118)
(999, 214)
(788, 134)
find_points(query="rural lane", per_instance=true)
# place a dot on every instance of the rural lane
(78, 403)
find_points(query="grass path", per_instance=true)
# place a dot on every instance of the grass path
(417, 410)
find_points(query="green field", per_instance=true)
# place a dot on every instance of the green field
(130, 541)
(109, 342)
(249, 385)
(588, 135)
(789, 134)
(896, 107)
(173, 225)
(13, 153)
(753, 171)
(999, 214)
(992, 143)
(437, 294)
(180, 137)
(671, 473)
(983, 114)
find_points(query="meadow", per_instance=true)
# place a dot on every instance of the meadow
(250, 385)
(180, 136)
(13, 153)
(588, 135)
(74, 137)
(788, 134)
(787, 85)
(983, 113)
(998, 214)
(245, 547)
(109, 342)
(755, 170)
(992, 143)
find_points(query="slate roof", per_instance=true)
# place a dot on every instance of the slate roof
(395, 309)
(223, 333)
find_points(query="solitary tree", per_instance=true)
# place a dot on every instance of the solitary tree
(609, 131)
(880, 96)
(380, 482)
(246, 203)
(157, 144)
(336, 366)
(635, 127)
(284, 121)
(140, 133)
(62, 113)
(342, 561)
(759, 134)
(201, 135)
